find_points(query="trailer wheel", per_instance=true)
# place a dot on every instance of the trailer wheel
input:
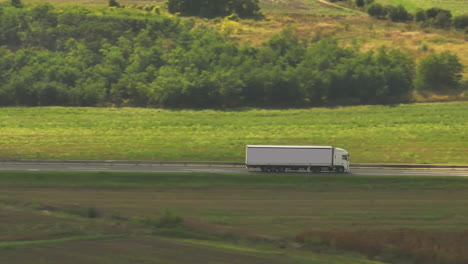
(316, 169)
(281, 169)
(264, 169)
(274, 169)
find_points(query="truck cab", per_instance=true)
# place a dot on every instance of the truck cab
(341, 160)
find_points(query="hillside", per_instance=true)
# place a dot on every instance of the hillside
(313, 18)
(304, 53)
(317, 20)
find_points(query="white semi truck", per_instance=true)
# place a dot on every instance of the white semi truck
(278, 158)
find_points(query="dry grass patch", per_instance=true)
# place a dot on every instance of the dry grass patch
(395, 246)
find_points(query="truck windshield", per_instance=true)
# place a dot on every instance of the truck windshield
(345, 157)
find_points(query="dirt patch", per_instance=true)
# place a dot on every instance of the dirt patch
(411, 34)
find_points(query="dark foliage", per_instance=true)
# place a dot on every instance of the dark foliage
(435, 17)
(439, 73)
(376, 10)
(360, 3)
(114, 3)
(215, 8)
(460, 22)
(399, 14)
(420, 15)
(17, 3)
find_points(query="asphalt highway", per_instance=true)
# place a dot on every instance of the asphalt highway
(110, 166)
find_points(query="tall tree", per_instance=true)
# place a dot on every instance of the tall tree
(17, 3)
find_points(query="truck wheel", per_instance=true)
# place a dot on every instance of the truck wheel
(339, 169)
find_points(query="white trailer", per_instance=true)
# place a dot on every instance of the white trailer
(278, 158)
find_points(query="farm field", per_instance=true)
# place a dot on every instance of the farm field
(430, 133)
(252, 218)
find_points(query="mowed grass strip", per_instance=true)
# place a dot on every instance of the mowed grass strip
(164, 181)
(432, 133)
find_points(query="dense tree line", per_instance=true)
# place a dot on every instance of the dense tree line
(216, 8)
(435, 17)
(79, 56)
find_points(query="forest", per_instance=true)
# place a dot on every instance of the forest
(73, 55)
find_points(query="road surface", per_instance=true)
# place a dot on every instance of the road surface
(119, 166)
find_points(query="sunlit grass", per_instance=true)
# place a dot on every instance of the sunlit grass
(420, 133)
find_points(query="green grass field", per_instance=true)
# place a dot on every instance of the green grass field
(95, 217)
(420, 133)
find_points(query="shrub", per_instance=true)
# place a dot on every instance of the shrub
(439, 72)
(376, 10)
(434, 11)
(398, 14)
(215, 8)
(114, 3)
(360, 3)
(439, 17)
(442, 20)
(460, 22)
(17, 3)
(420, 15)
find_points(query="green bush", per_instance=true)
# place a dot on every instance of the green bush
(17, 3)
(360, 3)
(113, 3)
(460, 22)
(216, 8)
(420, 15)
(376, 10)
(439, 73)
(399, 14)
(438, 17)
